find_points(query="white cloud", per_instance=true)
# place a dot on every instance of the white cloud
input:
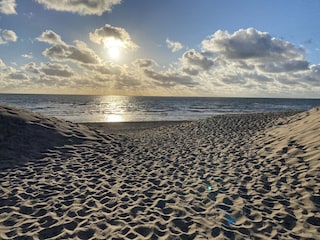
(31, 67)
(78, 53)
(226, 65)
(82, 7)
(18, 76)
(104, 68)
(250, 44)
(27, 55)
(50, 37)
(7, 36)
(251, 61)
(286, 66)
(8, 7)
(11, 73)
(61, 51)
(193, 62)
(144, 63)
(169, 78)
(2, 64)
(107, 32)
(174, 46)
(55, 69)
(310, 76)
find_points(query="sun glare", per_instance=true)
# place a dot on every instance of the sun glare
(114, 118)
(114, 47)
(114, 52)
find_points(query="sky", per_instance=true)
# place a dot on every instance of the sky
(220, 48)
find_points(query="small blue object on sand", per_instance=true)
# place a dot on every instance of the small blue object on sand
(230, 220)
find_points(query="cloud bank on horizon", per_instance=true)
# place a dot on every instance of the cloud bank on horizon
(243, 62)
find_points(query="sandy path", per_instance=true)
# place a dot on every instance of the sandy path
(222, 178)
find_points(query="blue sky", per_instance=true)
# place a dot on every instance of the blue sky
(243, 48)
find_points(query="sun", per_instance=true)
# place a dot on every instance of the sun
(114, 47)
(114, 52)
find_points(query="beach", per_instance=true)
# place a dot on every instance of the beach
(241, 176)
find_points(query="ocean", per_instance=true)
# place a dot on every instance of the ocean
(85, 108)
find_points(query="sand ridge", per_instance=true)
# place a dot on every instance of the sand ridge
(25, 135)
(219, 178)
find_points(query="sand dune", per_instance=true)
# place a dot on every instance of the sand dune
(25, 135)
(253, 176)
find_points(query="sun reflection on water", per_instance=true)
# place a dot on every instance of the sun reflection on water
(114, 118)
(114, 109)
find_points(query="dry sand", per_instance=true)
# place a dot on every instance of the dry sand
(252, 176)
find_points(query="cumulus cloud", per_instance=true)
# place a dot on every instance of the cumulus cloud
(313, 77)
(8, 7)
(144, 63)
(109, 35)
(78, 53)
(174, 46)
(31, 67)
(251, 60)
(250, 43)
(2, 63)
(55, 69)
(50, 37)
(169, 78)
(309, 77)
(128, 81)
(50, 69)
(7, 36)
(246, 62)
(315, 68)
(104, 68)
(50, 81)
(18, 76)
(82, 7)
(61, 51)
(194, 61)
(287, 66)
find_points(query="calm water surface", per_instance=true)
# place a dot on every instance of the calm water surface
(78, 108)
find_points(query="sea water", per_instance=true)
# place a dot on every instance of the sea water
(86, 108)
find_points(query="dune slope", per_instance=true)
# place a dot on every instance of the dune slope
(25, 135)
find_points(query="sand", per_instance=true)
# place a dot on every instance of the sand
(251, 176)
